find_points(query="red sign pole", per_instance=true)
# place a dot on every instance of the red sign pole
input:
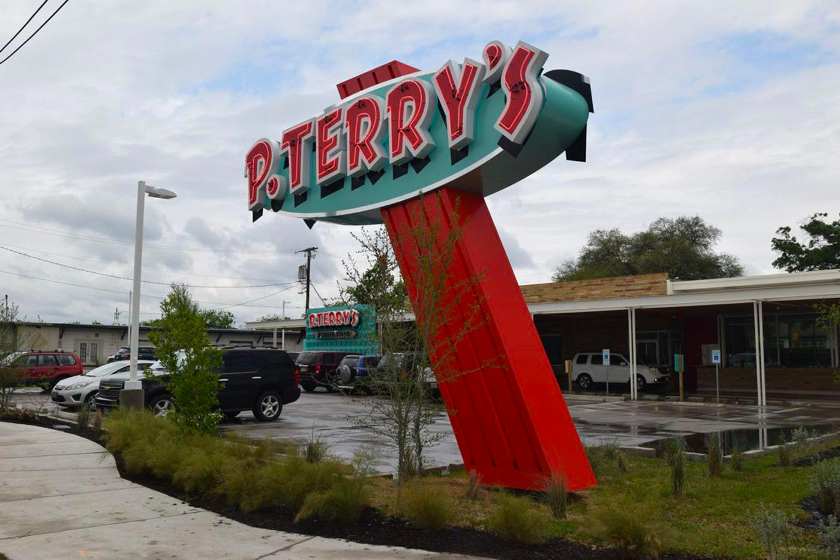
(507, 411)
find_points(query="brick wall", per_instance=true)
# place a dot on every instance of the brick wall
(598, 288)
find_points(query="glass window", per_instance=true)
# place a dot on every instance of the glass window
(240, 361)
(616, 360)
(31, 361)
(66, 360)
(597, 360)
(83, 351)
(582, 359)
(790, 340)
(46, 360)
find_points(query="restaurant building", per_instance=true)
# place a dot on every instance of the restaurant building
(767, 328)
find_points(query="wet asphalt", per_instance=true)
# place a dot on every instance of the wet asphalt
(339, 421)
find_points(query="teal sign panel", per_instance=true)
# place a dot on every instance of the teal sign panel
(342, 328)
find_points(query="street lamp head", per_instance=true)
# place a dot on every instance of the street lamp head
(157, 192)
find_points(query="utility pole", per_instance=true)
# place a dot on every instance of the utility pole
(308, 251)
(284, 302)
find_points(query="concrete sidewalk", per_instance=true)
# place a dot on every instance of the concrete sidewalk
(61, 497)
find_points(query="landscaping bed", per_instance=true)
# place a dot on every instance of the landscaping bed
(633, 503)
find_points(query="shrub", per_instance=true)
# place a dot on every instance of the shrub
(772, 529)
(9, 380)
(784, 451)
(802, 444)
(518, 519)
(343, 502)
(602, 456)
(247, 475)
(425, 506)
(556, 496)
(287, 483)
(715, 457)
(621, 462)
(675, 455)
(737, 459)
(315, 450)
(83, 418)
(473, 486)
(825, 483)
(829, 533)
(629, 535)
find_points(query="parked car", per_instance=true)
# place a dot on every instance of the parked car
(80, 390)
(45, 368)
(318, 369)
(588, 368)
(405, 362)
(345, 372)
(124, 353)
(261, 380)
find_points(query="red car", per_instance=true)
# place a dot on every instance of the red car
(46, 368)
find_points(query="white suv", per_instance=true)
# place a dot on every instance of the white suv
(589, 368)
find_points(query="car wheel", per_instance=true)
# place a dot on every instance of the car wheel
(90, 401)
(268, 406)
(308, 386)
(640, 383)
(584, 381)
(162, 405)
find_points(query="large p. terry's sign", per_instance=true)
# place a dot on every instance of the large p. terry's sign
(478, 126)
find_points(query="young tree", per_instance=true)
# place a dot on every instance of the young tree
(184, 350)
(821, 251)
(405, 414)
(682, 247)
(12, 339)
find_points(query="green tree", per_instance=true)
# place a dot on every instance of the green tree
(682, 247)
(185, 351)
(820, 252)
(218, 318)
(378, 283)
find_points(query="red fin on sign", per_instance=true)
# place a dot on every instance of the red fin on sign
(365, 80)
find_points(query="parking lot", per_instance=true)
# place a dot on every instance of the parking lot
(335, 419)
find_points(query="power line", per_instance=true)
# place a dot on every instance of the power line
(98, 260)
(147, 245)
(123, 293)
(34, 32)
(22, 27)
(118, 277)
(319, 295)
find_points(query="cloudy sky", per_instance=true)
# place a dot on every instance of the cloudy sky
(731, 113)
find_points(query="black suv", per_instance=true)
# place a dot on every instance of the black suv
(318, 369)
(260, 380)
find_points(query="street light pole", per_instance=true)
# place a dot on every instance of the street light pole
(132, 393)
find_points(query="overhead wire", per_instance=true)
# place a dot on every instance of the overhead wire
(35, 32)
(22, 27)
(124, 293)
(153, 282)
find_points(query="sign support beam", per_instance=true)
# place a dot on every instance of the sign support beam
(507, 411)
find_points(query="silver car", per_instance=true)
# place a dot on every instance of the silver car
(81, 389)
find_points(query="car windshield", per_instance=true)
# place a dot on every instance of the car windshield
(308, 358)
